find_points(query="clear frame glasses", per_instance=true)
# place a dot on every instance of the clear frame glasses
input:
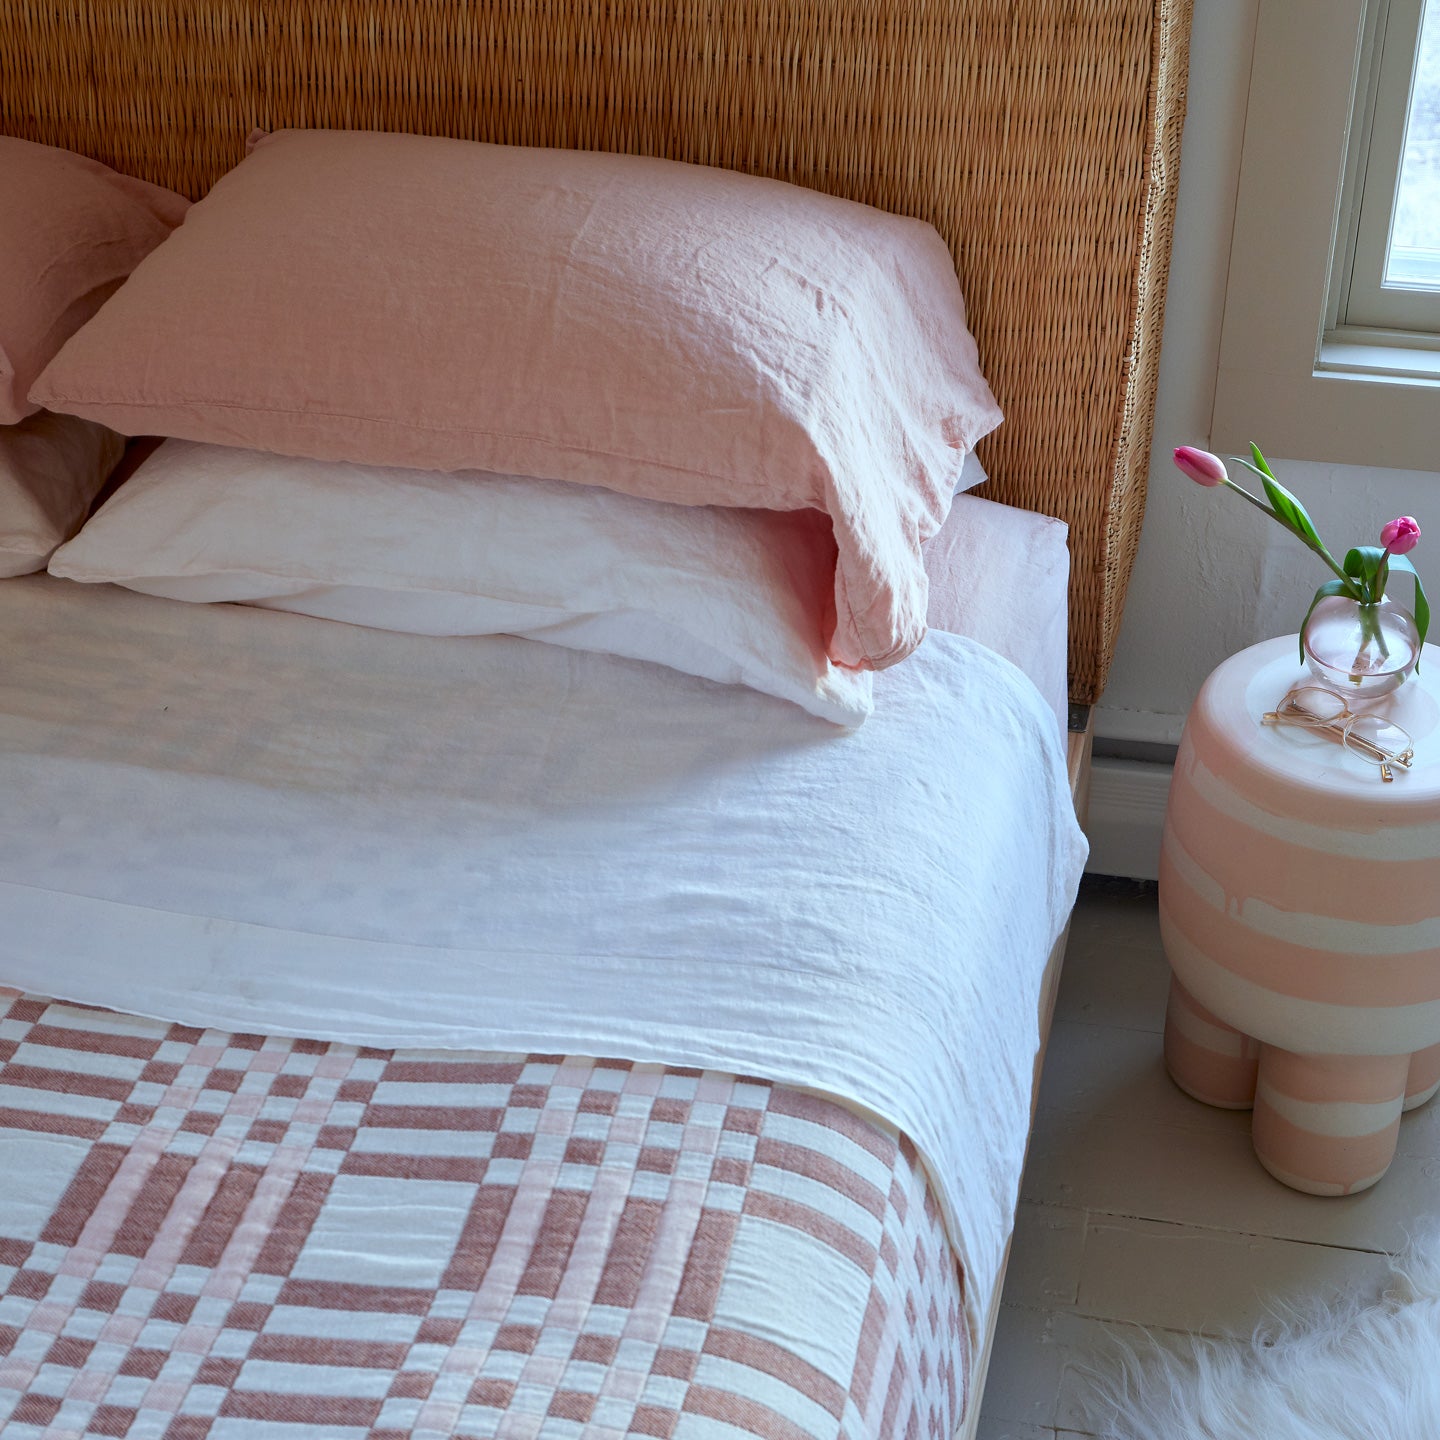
(1371, 738)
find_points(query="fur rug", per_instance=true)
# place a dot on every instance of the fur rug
(1352, 1371)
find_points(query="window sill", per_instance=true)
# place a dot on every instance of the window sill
(1380, 356)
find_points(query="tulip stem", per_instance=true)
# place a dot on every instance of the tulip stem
(1371, 629)
(1320, 550)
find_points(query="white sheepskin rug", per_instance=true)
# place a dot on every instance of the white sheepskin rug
(1353, 1371)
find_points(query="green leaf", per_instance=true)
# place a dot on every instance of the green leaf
(1364, 563)
(1330, 587)
(1288, 510)
(1422, 604)
(1261, 465)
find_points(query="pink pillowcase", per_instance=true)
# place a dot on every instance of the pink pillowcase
(670, 331)
(71, 230)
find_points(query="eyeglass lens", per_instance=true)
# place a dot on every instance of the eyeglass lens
(1374, 738)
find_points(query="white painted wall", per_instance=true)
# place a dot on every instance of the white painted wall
(1212, 575)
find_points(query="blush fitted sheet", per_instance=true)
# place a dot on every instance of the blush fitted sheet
(1001, 576)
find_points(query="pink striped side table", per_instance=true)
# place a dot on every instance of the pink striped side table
(1300, 913)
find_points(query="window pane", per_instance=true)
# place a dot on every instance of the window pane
(1413, 260)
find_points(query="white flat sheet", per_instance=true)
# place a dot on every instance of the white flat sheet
(268, 822)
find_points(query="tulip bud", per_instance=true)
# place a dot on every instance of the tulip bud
(1401, 535)
(1200, 465)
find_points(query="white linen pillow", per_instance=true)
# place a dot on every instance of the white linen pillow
(51, 468)
(736, 596)
(972, 473)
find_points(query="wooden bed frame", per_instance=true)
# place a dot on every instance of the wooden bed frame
(1040, 137)
(1078, 748)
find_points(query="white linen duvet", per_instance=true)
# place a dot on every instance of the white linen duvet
(270, 822)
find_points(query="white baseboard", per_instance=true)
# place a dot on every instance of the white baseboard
(1127, 813)
(1152, 727)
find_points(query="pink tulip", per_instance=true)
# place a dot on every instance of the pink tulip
(1401, 535)
(1201, 466)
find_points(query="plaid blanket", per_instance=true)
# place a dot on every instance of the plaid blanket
(252, 1238)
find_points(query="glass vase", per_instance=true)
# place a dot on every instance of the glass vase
(1360, 651)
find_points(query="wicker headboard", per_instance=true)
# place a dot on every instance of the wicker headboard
(1041, 137)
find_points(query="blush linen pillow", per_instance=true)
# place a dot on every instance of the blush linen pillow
(71, 229)
(727, 594)
(670, 331)
(51, 468)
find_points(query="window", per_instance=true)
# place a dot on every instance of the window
(1330, 346)
(1388, 261)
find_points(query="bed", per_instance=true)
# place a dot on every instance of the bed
(411, 1034)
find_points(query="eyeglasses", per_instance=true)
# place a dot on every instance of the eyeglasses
(1371, 738)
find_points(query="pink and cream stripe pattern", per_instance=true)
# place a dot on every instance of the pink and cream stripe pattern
(1300, 911)
(207, 1236)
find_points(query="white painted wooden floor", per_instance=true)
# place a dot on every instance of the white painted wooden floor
(1143, 1207)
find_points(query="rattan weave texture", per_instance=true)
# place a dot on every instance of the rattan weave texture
(1041, 137)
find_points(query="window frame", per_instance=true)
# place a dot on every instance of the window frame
(1290, 376)
(1361, 301)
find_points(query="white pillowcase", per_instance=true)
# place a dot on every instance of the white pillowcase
(51, 468)
(736, 596)
(972, 473)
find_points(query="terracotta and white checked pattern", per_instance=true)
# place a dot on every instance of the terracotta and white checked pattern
(243, 1238)
(1300, 910)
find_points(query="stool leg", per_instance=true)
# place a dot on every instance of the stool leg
(1207, 1058)
(1424, 1077)
(1327, 1124)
